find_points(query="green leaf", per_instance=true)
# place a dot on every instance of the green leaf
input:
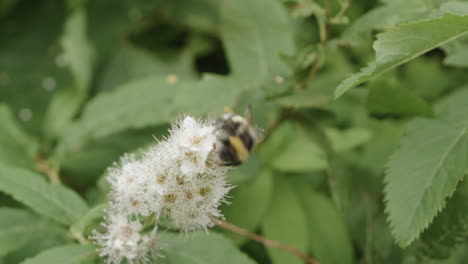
(54, 201)
(18, 226)
(69, 254)
(406, 42)
(249, 204)
(196, 98)
(394, 99)
(137, 104)
(17, 148)
(78, 55)
(426, 169)
(285, 222)
(328, 236)
(382, 17)
(300, 155)
(449, 229)
(202, 247)
(254, 40)
(456, 53)
(347, 139)
(93, 214)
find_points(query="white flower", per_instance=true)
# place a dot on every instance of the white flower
(175, 179)
(124, 241)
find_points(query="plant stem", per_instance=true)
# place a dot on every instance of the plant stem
(45, 167)
(263, 240)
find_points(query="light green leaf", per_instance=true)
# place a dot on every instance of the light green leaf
(54, 201)
(93, 214)
(17, 148)
(394, 99)
(456, 7)
(285, 222)
(300, 155)
(249, 204)
(382, 17)
(202, 247)
(406, 42)
(456, 53)
(347, 139)
(328, 236)
(254, 40)
(69, 254)
(209, 95)
(137, 104)
(18, 227)
(426, 169)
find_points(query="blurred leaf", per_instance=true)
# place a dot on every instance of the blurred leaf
(19, 226)
(249, 170)
(78, 55)
(193, 250)
(394, 99)
(94, 214)
(54, 201)
(347, 139)
(69, 254)
(196, 98)
(17, 148)
(29, 68)
(383, 17)
(137, 104)
(285, 222)
(249, 204)
(426, 169)
(456, 53)
(6, 6)
(305, 99)
(328, 236)
(406, 42)
(254, 41)
(300, 155)
(456, 7)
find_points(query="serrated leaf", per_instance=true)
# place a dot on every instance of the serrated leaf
(449, 229)
(426, 169)
(69, 254)
(54, 201)
(137, 104)
(207, 248)
(254, 41)
(406, 42)
(249, 204)
(17, 147)
(393, 99)
(18, 226)
(382, 17)
(285, 222)
(328, 236)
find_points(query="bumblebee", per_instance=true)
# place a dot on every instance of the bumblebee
(236, 137)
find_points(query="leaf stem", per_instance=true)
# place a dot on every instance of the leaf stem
(45, 167)
(263, 240)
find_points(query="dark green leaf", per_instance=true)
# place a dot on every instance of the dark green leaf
(285, 222)
(17, 147)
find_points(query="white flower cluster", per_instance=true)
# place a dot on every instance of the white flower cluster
(177, 179)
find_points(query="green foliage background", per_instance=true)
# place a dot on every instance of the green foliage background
(358, 165)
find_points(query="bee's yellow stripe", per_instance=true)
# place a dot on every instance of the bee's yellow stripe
(239, 148)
